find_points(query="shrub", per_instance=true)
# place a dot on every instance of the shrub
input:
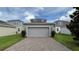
(23, 33)
(52, 33)
(73, 26)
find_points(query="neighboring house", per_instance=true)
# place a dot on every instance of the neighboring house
(39, 28)
(60, 27)
(18, 24)
(6, 29)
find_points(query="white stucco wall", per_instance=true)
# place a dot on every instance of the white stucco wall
(57, 29)
(65, 31)
(51, 28)
(62, 30)
(4, 31)
(20, 28)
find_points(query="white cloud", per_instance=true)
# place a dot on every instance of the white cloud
(51, 21)
(27, 13)
(66, 17)
(55, 10)
(32, 14)
(62, 18)
(27, 19)
(29, 16)
(71, 11)
(39, 9)
(0, 13)
(5, 16)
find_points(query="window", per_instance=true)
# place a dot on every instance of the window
(57, 29)
(18, 29)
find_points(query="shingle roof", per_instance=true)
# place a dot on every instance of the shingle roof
(39, 24)
(5, 24)
(14, 20)
(63, 23)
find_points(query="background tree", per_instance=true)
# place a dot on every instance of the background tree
(73, 26)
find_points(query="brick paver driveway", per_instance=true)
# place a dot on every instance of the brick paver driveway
(38, 44)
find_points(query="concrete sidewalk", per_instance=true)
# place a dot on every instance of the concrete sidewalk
(38, 44)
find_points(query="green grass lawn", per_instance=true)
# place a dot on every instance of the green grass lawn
(67, 41)
(6, 41)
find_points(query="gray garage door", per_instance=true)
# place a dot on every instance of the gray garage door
(38, 31)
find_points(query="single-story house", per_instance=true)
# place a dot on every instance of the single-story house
(17, 23)
(6, 29)
(60, 27)
(39, 28)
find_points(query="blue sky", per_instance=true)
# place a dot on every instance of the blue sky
(27, 13)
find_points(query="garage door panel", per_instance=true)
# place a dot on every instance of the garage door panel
(38, 32)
